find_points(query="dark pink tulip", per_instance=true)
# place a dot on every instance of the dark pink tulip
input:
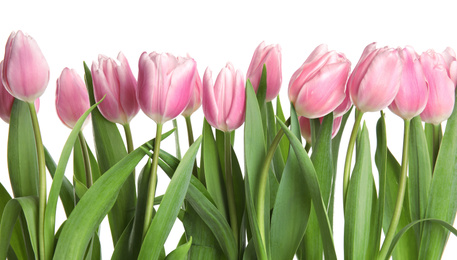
(164, 85)
(375, 81)
(196, 98)
(305, 127)
(413, 92)
(442, 89)
(224, 101)
(270, 56)
(72, 99)
(25, 70)
(117, 82)
(319, 85)
(451, 62)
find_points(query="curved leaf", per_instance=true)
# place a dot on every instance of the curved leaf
(180, 253)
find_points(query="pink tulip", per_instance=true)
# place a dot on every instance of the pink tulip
(117, 82)
(196, 98)
(305, 127)
(343, 107)
(164, 85)
(442, 89)
(451, 62)
(224, 101)
(270, 56)
(25, 70)
(72, 99)
(413, 92)
(375, 81)
(319, 85)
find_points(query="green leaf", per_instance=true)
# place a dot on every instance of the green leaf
(110, 149)
(91, 209)
(277, 166)
(284, 143)
(122, 250)
(171, 203)
(312, 185)
(359, 203)
(180, 253)
(442, 200)
(22, 156)
(292, 206)
(27, 205)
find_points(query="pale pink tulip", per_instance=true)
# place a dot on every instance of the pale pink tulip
(196, 96)
(413, 92)
(442, 89)
(224, 101)
(72, 99)
(451, 62)
(375, 81)
(319, 85)
(343, 107)
(270, 56)
(305, 127)
(25, 70)
(164, 85)
(117, 84)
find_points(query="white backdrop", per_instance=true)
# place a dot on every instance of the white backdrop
(214, 32)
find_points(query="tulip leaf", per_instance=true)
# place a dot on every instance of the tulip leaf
(277, 162)
(110, 149)
(168, 211)
(284, 143)
(180, 253)
(433, 134)
(442, 199)
(292, 205)
(22, 156)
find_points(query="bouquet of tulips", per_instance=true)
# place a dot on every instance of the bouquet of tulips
(279, 205)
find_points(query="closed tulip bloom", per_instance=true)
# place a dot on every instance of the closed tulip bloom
(319, 85)
(196, 96)
(375, 81)
(72, 99)
(224, 101)
(25, 70)
(270, 56)
(451, 62)
(442, 89)
(343, 107)
(413, 92)
(305, 127)
(164, 85)
(115, 82)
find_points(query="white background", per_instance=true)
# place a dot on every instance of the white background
(214, 33)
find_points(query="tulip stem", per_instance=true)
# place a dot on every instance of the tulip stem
(128, 137)
(178, 147)
(436, 143)
(86, 159)
(347, 164)
(400, 195)
(229, 184)
(41, 178)
(190, 137)
(152, 181)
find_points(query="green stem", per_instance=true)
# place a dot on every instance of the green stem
(86, 159)
(436, 142)
(229, 184)
(190, 138)
(128, 137)
(152, 181)
(307, 147)
(178, 147)
(347, 164)
(41, 178)
(400, 195)
(263, 183)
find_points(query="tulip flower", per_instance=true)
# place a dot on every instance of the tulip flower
(413, 92)
(319, 85)
(196, 96)
(224, 101)
(305, 127)
(72, 99)
(117, 83)
(375, 81)
(451, 62)
(270, 56)
(343, 107)
(25, 70)
(164, 85)
(441, 98)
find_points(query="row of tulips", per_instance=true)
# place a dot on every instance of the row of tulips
(282, 202)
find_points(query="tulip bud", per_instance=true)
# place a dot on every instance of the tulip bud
(319, 85)
(196, 96)
(375, 81)
(305, 127)
(224, 101)
(25, 70)
(270, 56)
(413, 92)
(343, 107)
(442, 89)
(72, 100)
(164, 85)
(117, 84)
(451, 62)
